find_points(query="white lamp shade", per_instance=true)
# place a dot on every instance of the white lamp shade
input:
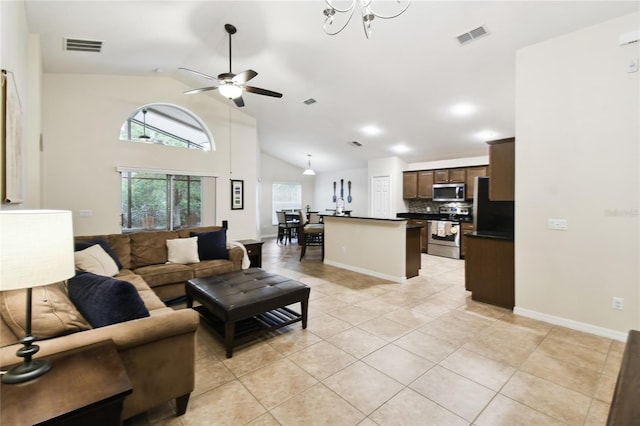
(36, 248)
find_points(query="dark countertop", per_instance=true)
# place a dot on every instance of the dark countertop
(491, 234)
(434, 216)
(391, 219)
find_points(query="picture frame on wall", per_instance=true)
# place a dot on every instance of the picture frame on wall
(237, 194)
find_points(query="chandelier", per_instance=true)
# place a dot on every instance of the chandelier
(366, 10)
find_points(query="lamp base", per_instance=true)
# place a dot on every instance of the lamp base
(26, 371)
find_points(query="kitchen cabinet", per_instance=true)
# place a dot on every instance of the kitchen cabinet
(502, 169)
(472, 172)
(489, 270)
(423, 232)
(465, 228)
(450, 175)
(425, 184)
(409, 185)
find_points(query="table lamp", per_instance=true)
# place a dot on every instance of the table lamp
(36, 249)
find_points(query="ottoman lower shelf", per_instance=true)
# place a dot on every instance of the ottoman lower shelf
(250, 328)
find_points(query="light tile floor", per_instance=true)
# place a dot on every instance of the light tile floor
(416, 353)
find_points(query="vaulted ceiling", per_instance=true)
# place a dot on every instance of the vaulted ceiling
(402, 85)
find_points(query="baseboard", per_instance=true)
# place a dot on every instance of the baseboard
(574, 325)
(366, 271)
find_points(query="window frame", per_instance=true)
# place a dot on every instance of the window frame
(170, 176)
(294, 205)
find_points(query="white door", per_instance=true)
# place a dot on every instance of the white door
(381, 197)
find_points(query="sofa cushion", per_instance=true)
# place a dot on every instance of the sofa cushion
(150, 248)
(207, 268)
(94, 259)
(81, 245)
(183, 250)
(104, 300)
(148, 296)
(212, 245)
(52, 313)
(170, 273)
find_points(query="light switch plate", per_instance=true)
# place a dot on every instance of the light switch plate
(557, 224)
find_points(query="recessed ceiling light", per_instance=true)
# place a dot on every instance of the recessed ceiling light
(371, 130)
(462, 109)
(486, 135)
(400, 148)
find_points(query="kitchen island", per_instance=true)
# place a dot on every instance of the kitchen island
(489, 268)
(384, 248)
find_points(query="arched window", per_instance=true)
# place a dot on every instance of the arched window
(166, 124)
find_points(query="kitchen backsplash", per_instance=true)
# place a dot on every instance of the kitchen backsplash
(424, 206)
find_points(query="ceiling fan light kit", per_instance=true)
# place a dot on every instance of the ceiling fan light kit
(368, 15)
(231, 85)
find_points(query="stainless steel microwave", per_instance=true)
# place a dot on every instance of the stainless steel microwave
(448, 192)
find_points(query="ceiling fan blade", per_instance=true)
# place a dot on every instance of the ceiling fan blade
(200, 90)
(207, 76)
(260, 91)
(239, 101)
(244, 76)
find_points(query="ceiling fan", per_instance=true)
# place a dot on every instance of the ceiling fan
(232, 85)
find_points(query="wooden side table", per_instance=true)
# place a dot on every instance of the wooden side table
(254, 250)
(86, 386)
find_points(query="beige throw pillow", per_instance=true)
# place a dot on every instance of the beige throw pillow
(94, 259)
(52, 313)
(183, 250)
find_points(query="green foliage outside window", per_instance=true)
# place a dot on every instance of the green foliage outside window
(149, 203)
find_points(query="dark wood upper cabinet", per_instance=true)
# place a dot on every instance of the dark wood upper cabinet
(425, 184)
(409, 185)
(450, 175)
(502, 164)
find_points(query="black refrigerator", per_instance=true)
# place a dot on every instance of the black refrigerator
(492, 217)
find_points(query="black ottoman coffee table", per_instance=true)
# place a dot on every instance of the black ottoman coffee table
(244, 304)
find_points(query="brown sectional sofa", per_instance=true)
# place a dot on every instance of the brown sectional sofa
(158, 352)
(145, 254)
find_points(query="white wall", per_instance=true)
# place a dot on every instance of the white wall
(82, 116)
(275, 170)
(20, 54)
(359, 191)
(446, 164)
(577, 158)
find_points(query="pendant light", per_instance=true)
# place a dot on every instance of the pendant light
(309, 171)
(144, 126)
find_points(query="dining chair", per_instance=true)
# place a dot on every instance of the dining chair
(285, 227)
(310, 234)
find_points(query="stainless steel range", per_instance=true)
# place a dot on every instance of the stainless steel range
(443, 235)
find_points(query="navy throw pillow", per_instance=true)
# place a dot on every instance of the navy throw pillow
(81, 245)
(104, 300)
(212, 245)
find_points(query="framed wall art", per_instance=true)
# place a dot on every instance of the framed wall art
(237, 194)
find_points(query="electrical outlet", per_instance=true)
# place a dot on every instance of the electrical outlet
(557, 224)
(618, 303)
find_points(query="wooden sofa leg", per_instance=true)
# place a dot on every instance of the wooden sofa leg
(181, 404)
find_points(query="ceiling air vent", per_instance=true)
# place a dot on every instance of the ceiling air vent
(471, 35)
(310, 101)
(355, 143)
(78, 45)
